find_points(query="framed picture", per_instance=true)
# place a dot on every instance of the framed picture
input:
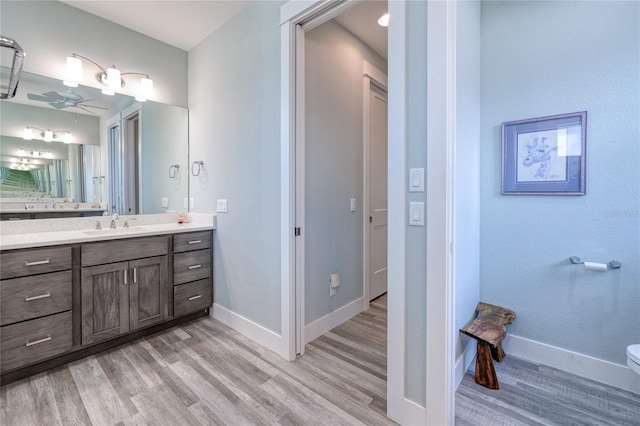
(545, 155)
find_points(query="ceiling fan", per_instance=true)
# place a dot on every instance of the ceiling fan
(66, 99)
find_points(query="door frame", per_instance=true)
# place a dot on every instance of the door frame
(440, 308)
(370, 76)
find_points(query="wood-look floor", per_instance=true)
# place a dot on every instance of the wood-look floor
(204, 373)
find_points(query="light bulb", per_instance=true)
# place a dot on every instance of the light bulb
(383, 21)
(113, 79)
(146, 89)
(27, 134)
(74, 72)
(48, 136)
(67, 137)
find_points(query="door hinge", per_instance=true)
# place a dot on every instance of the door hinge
(296, 232)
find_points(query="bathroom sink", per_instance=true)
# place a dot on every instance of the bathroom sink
(115, 231)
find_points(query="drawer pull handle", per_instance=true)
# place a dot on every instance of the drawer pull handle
(194, 242)
(195, 297)
(42, 296)
(195, 267)
(125, 274)
(35, 342)
(135, 275)
(37, 262)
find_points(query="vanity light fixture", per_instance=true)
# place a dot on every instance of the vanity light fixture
(48, 135)
(110, 78)
(383, 21)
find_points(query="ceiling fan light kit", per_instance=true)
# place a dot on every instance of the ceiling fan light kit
(110, 78)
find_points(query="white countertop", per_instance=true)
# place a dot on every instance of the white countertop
(39, 233)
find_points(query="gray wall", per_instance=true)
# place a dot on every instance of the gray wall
(544, 58)
(415, 291)
(334, 165)
(49, 31)
(234, 122)
(467, 174)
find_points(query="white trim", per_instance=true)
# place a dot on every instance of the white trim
(252, 330)
(370, 75)
(464, 361)
(300, 191)
(414, 413)
(397, 202)
(440, 317)
(333, 319)
(287, 188)
(619, 376)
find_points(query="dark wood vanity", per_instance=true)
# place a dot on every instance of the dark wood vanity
(62, 303)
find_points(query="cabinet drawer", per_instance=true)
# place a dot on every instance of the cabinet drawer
(191, 241)
(31, 262)
(191, 266)
(192, 297)
(32, 341)
(31, 297)
(123, 250)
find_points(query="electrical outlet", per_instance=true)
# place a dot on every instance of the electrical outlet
(221, 206)
(165, 203)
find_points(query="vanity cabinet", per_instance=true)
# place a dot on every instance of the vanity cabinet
(123, 296)
(62, 303)
(192, 272)
(35, 305)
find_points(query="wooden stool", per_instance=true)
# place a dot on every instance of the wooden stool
(489, 330)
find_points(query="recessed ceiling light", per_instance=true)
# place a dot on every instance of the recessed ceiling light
(383, 21)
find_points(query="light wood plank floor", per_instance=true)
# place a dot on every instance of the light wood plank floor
(204, 373)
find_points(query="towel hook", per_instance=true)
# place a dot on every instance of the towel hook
(196, 166)
(173, 170)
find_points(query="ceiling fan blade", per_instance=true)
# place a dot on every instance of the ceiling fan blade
(54, 95)
(92, 106)
(35, 97)
(84, 109)
(58, 105)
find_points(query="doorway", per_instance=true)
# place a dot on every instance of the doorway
(375, 183)
(343, 129)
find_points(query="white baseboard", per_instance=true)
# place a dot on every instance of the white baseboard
(463, 363)
(414, 414)
(619, 376)
(333, 319)
(252, 330)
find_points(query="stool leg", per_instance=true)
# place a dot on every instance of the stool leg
(498, 353)
(485, 371)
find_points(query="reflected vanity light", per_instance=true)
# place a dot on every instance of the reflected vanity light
(383, 21)
(48, 135)
(110, 78)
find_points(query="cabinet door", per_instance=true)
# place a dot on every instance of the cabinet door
(105, 302)
(148, 291)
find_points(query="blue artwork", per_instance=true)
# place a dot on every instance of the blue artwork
(539, 159)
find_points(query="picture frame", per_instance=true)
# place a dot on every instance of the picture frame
(545, 155)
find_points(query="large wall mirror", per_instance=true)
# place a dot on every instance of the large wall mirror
(128, 157)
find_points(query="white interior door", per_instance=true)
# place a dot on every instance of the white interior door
(378, 192)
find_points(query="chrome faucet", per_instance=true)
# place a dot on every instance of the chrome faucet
(113, 221)
(98, 225)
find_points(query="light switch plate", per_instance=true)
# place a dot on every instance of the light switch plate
(165, 203)
(353, 204)
(416, 214)
(221, 206)
(416, 180)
